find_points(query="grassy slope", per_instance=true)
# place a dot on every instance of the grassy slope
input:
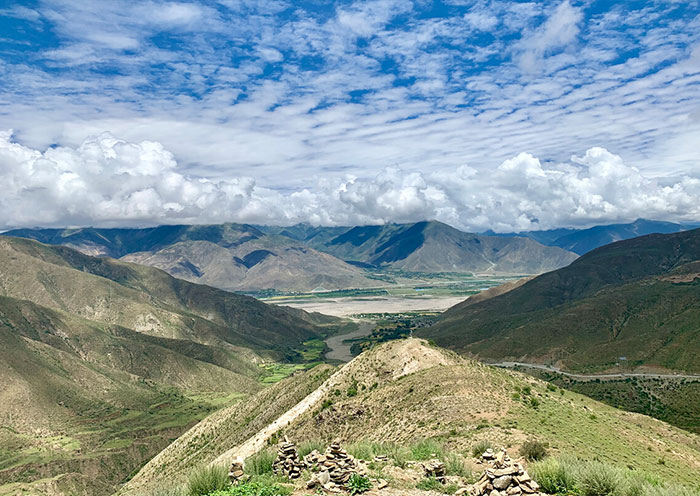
(144, 299)
(104, 363)
(224, 429)
(404, 391)
(672, 400)
(635, 298)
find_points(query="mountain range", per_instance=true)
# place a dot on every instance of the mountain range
(103, 363)
(581, 241)
(634, 303)
(302, 257)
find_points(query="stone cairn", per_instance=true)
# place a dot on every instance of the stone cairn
(333, 468)
(236, 474)
(287, 462)
(504, 477)
(435, 468)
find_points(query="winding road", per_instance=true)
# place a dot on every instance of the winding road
(556, 370)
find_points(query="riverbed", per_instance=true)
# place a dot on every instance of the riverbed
(340, 350)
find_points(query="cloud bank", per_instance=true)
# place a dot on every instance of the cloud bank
(113, 182)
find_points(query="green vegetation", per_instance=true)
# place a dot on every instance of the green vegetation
(480, 447)
(207, 479)
(261, 462)
(621, 306)
(571, 476)
(672, 400)
(533, 450)
(432, 484)
(254, 488)
(358, 484)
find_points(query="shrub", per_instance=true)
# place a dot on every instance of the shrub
(479, 448)
(584, 478)
(533, 450)
(261, 462)
(207, 479)
(554, 476)
(599, 479)
(358, 484)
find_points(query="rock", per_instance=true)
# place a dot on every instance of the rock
(435, 468)
(462, 491)
(381, 484)
(236, 472)
(488, 454)
(503, 482)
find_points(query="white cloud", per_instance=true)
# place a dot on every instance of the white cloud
(111, 182)
(559, 30)
(281, 93)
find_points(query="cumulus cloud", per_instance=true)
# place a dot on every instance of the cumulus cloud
(112, 182)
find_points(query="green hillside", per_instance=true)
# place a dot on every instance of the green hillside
(638, 299)
(408, 400)
(103, 363)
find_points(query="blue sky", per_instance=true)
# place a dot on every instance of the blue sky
(484, 114)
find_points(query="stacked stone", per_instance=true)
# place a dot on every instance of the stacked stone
(314, 459)
(339, 464)
(505, 478)
(435, 468)
(287, 462)
(236, 473)
(333, 468)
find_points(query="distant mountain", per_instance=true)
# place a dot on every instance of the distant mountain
(436, 247)
(102, 362)
(638, 299)
(304, 257)
(582, 241)
(226, 256)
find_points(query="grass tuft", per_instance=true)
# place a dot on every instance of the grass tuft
(533, 450)
(481, 446)
(207, 479)
(261, 462)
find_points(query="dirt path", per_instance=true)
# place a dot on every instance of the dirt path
(340, 350)
(621, 375)
(259, 440)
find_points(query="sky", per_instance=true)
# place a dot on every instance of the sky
(503, 115)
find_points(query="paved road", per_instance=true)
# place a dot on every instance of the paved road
(340, 350)
(550, 368)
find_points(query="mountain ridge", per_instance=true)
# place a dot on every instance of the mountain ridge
(635, 299)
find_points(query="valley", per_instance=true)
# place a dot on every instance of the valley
(176, 365)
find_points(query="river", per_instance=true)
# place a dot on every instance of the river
(340, 350)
